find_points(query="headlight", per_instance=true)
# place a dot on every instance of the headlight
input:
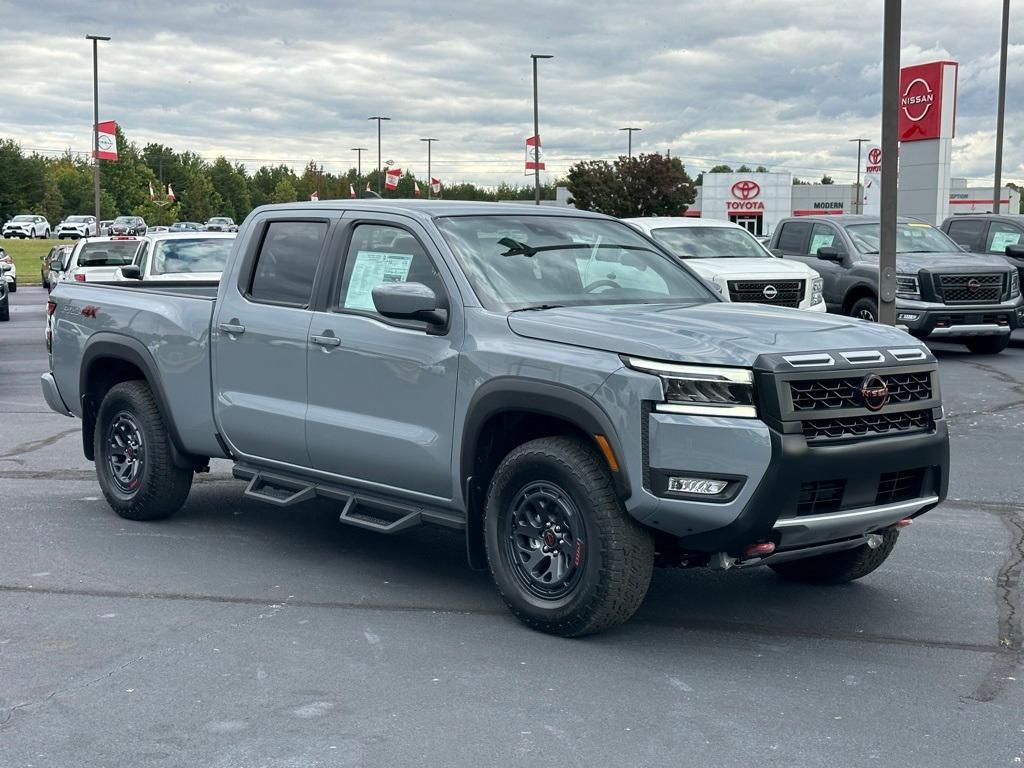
(1014, 284)
(907, 287)
(817, 286)
(702, 390)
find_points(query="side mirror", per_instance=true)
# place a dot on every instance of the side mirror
(1016, 251)
(776, 252)
(829, 253)
(409, 301)
(131, 272)
(56, 264)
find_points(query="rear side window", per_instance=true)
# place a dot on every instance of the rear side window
(1000, 236)
(966, 232)
(823, 236)
(287, 262)
(793, 237)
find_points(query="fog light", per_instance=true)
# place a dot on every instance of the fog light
(702, 486)
(907, 316)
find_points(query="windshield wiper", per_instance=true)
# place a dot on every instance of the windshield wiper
(516, 248)
(536, 307)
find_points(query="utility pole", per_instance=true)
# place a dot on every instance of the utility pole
(630, 131)
(380, 175)
(430, 143)
(536, 125)
(96, 124)
(1001, 110)
(890, 147)
(859, 207)
(359, 163)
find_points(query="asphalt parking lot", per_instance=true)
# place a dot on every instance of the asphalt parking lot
(236, 634)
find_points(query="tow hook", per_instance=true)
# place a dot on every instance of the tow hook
(875, 540)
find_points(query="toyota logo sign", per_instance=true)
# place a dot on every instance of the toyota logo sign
(874, 392)
(746, 190)
(874, 156)
(770, 292)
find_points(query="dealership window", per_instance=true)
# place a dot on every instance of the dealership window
(966, 232)
(999, 236)
(793, 237)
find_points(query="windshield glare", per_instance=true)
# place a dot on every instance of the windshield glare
(911, 237)
(199, 255)
(517, 262)
(710, 243)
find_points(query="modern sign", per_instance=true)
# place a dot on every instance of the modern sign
(928, 101)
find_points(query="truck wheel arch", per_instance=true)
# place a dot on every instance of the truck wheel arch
(109, 359)
(856, 293)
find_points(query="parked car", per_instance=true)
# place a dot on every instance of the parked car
(454, 364)
(732, 259)
(11, 274)
(99, 258)
(941, 292)
(999, 234)
(53, 264)
(5, 300)
(128, 225)
(221, 224)
(186, 226)
(105, 227)
(192, 256)
(75, 227)
(27, 225)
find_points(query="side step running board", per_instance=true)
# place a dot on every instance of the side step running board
(281, 492)
(379, 517)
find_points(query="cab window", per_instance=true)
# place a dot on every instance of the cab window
(793, 237)
(1000, 236)
(966, 232)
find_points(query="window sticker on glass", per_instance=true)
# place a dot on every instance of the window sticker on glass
(372, 268)
(823, 240)
(1002, 239)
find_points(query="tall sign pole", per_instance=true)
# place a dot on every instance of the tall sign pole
(359, 163)
(536, 126)
(890, 148)
(96, 125)
(430, 186)
(380, 175)
(859, 207)
(997, 192)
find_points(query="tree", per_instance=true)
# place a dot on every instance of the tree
(799, 182)
(826, 179)
(230, 184)
(744, 169)
(284, 192)
(647, 185)
(761, 169)
(199, 200)
(721, 169)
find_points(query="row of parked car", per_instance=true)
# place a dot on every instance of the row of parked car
(34, 226)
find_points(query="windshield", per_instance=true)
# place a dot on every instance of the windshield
(911, 237)
(124, 220)
(24, 218)
(520, 262)
(76, 219)
(710, 243)
(198, 255)
(220, 221)
(110, 253)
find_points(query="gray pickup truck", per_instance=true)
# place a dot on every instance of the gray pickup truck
(941, 291)
(551, 383)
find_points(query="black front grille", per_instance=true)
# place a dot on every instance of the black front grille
(869, 425)
(894, 487)
(970, 289)
(786, 293)
(832, 394)
(820, 497)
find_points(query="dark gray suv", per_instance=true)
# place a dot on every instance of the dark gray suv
(941, 291)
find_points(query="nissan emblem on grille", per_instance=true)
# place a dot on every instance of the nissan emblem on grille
(770, 292)
(974, 285)
(874, 392)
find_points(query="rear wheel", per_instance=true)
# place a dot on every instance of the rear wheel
(133, 456)
(839, 567)
(988, 345)
(565, 555)
(865, 308)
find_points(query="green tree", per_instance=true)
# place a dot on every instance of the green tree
(721, 169)
(826, 179)
(284, 192)
(199, 200)
(647, 185)
(230, 184)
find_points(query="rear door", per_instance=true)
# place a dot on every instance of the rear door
(381, 391)
(260, 339)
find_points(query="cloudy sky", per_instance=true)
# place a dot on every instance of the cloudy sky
(771, 82)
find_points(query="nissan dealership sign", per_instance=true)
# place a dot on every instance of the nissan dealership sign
(927, 96)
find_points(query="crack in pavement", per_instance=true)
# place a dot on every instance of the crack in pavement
(35, 445)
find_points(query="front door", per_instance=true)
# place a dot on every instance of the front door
(382, 392)
(259, 344)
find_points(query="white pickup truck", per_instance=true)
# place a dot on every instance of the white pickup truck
(732, 259)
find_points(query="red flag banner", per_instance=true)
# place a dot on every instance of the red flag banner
(435, 185)
(534, 161)
(393, 175)
(315, 196)
(416, 189)
(106, 140)
(170, 193)
(352, 190)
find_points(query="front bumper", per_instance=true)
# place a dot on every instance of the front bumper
(924, 319)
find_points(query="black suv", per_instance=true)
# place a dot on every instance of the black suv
(941, 291)
(128, 225)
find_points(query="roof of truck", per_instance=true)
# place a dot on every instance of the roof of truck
(850, 218)
(431, 208)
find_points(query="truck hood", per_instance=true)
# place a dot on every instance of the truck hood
(751, 269)
(907, 263)
(718, 333)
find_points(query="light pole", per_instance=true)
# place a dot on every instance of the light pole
(890, 147)
(430, 143)
(96, 124)
(1001, 110)
(380, 176)
(859, 207)
(630, 131)
(536, 126)
(359, 163)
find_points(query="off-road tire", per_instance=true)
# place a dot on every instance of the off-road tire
(162, 487)
(988, 345)
(618, 553)
(838, 567)
(865, 304)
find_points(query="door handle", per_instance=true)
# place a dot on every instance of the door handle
(234, 328)
(326, 341)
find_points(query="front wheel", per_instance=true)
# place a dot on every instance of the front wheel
(866, 309)
(133, 455)
(565, 555)
(13, 286)
(988, 345)
(839, 567)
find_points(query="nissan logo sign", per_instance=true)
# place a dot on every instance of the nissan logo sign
(770, 292)
(874, 392)
(746, 190)
(974, 285)
(917, 99)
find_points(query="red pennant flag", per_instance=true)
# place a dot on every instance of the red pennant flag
(170, 193)
(151, 195)
(391, 180)
(416, 189)
(352, 190)
(435, 185)
(368, 187)
(315, 196)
